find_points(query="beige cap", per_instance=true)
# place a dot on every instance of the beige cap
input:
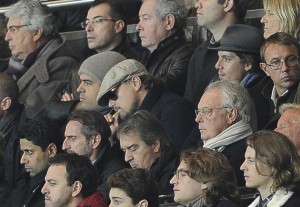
(119, 73)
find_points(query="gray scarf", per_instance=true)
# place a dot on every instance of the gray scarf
(234, 133)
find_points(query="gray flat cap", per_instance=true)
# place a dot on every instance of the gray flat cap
(121, 72)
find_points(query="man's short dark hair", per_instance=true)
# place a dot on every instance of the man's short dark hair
(239, 8)
(93, 123)
(41, 132)
(78, 168)
(279, 38)
(117, 10)
(138, 184)
(146, 126)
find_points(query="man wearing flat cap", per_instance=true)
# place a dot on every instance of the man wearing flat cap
(128, 87)
(238, 54)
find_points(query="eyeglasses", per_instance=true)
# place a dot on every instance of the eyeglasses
(16, 28)
(206, 111)
(181, 173)
(96, 20)
(290, 61)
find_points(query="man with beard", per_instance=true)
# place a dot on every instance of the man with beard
(128, 87)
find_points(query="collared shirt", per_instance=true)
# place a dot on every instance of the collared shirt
(274, 96)
(264, 203)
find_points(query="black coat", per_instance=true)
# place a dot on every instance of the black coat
(107, 163)
(267, 112)
(169, 62)
(235, 154)
(9, 126)
(28, 192)
(163, 170)
(201, 70)
(174, 112)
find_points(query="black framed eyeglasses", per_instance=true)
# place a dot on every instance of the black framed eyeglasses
(179, 173)
(290, 61)
(16, 28)
(96, 20)
(207, 111)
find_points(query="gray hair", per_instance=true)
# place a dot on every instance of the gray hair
(287, 106)
(35, 15)
(146, 126)
(235, 96)
(173, 7)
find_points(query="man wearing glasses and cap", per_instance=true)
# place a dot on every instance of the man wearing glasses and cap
(280, 61)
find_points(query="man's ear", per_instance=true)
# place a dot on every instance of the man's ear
(228, 5)
(170, 21)
(143, 203)
(119, 26)
(136, 83)
(37, 34)
(248, 67)
(52, 150)
(232, 115)
(5, 103)
(76, 189)
(263, 66)
(156, 146)
(96, 141)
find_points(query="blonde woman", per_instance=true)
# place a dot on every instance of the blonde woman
(281, 16)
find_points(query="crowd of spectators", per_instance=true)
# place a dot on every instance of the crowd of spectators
(162, 119)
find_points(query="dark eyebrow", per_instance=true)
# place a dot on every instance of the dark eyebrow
(96, 17)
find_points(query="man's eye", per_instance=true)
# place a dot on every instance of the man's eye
(87, 83)
(116, 202)
(275, 63)
(251, 161)
(133, 148)
(51, 183)
(72, 138)
(98, 20)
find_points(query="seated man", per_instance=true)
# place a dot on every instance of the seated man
(161, 31)
(239, 55)
(39, 141)
(223, 115)
(106, 25)
(71, 181)
(40, 62)
(146, 145)
(272, 167)
(91, 74)
(12, 117)
(128, 87)
(204, 178)
(280, 61)
(289, 123)
(133, 187)
(87, 133)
